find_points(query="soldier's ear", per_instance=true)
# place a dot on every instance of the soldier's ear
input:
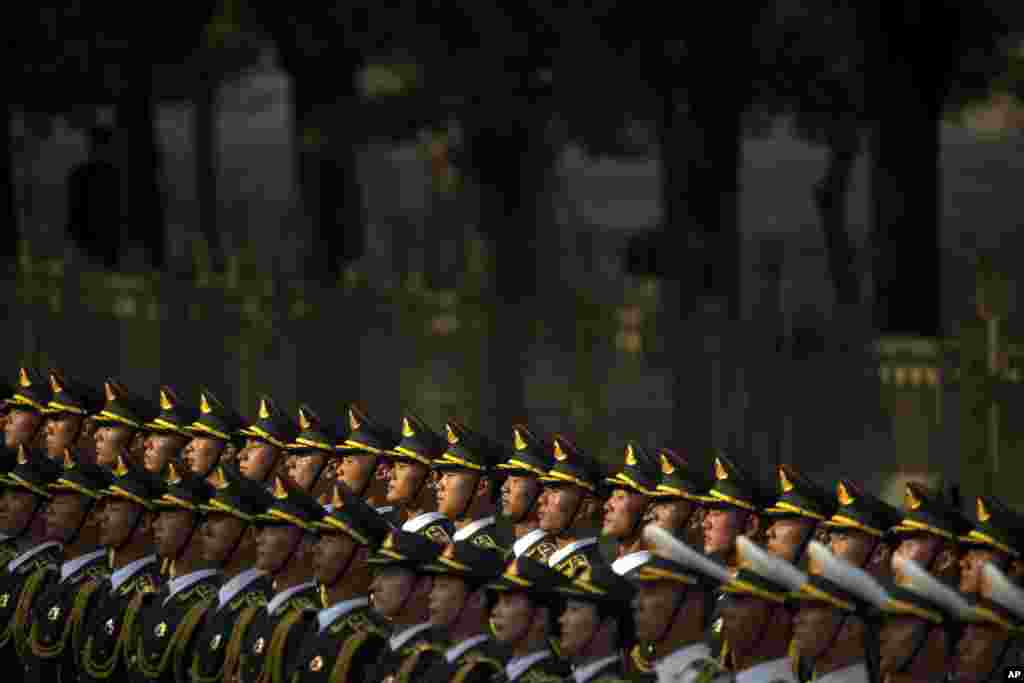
(753, 526)
(881, 558)
(947, 563)
(483, 487)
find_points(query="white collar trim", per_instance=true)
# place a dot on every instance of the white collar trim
(129, 570)
(568, 550)
(517, 667)
(676, 662)
(585, 673)
(236, 585)
(421, 521)
(182, 582)
(628, 563)
(279, 599)
(405, 636)
(528, 541)
(72, 566)
(473, 527)
(456, 651)
(329, 615)
(29, 554)
(773, 670)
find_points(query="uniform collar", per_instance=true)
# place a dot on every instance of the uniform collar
(568, 550)
(855, 673)
(517, 666)
(585, 673)
(279, 599)
(29, 554)
(236, 584)
(528, 541)
(681, 658)
(71, 566)
(129, 570)
(773, 670)
(456, 651)
(405, 636)
(473, 527)
(182, 582)
(420, 522)
(327, 616)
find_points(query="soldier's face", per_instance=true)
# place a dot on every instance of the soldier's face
(391, 589)
(60, 432)
(455, 491)
(745, 618)
(21, 426)
(117, 519)
(971, 564)
(785, 536)
(158, 449)
(406, 480)
(622, 512)
(518, 494)
(274, 544)
(16, 509)
(63, 516)
(257, 459)
(305, 468)
(558, 505)
(357, 469)
(899, 637)
(111, 441)
(579, 623)
(814, 629)
(201, 454)
(653, 608)
(721, 527)
(220, 533)
(171, 531)
(331, 555)
(513, 616)
(921, 548)
(671, 515)
(976, 653)
(448, 596)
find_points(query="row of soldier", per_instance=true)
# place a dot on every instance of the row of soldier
(269, 551)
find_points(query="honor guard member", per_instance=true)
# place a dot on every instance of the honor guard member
(66, 413)
(459, 607)
(928, 533)
(168, 619)
(167, 434)
(570, 508)
(858, 532)
(410, 488)
(677, 502)
(121, 419)
(214, 435)
(364, 461)
(468, 490)
(632, 489)
(399, 593)
(674, 603)
(996, 536)
(310, 453)
(23, 576)
(109, 608)
(229, 543)
(738, 501)
(346, 638)
(8, 544)
(26, 408)
(795, 515)
(597, 625)
(6, 392)
(266, 441)
(48, 654)
(521, 492)
(757, 622)
(525, 619)
(285, 546)
(992, 639)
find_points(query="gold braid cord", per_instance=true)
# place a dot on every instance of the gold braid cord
(409, 665)
(78, 608)
(272, 665)
(463, 671)
(104, 669)
(231, 652)
(343, 664)
(175, 647)
(23, 611)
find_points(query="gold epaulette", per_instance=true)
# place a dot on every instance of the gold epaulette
(233, 651)
(176, 647)
(348, 652)
(472, 662)
(71, 625)
(78, 608)
(411, 661)
(641, 662)
(103, 670)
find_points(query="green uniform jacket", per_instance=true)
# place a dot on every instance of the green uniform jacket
(219, 642)
(344, 651)
(273, 638)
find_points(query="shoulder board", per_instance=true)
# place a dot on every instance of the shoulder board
(484, 540)
(96, 571)
(477, 658)
(301, 603)
(201, 591)
(44, 561)
(706, 670)
(437, 533)
(540, 677)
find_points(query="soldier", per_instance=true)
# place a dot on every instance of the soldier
(570, 508)
(214, 435)
(22, 577)
(365, 465)
(928, 533)
(109, 607)
(738, 501)
(674, 603)
(521, 493)
(468, 489)
(409, 488)
(74, 509)
(167, 434)
(310, 453)
(267, 441)
(228, 543)
(72, 404)
(677, 504)
(346, 638)
(858, 532)
(458, 605)
(120, 420)
(757, 622)
(26, 408)
(524, 619)
(399, 593)
(168, 619)
(285, 542)
(597, 625)
(6, 393)
(632, 489)
(996, 536)
(795, 515)
(992, 638)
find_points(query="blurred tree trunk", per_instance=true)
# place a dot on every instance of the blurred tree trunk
(205, 150)
(8, 206)
(830, 195)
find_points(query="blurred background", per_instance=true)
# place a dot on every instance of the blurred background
(789, 230)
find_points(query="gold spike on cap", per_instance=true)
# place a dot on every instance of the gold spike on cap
(22, 454)
(166, 403)
(720, 471)
(559, 453)
(280, 492)
(910, 499)
(787, 485)
(172, 474)
(55, 384)
(204, 404)
(264, 410)
(305, 420)
(407, 428)
(666, 465)
(110, 391)
(843, 494)
(217, 479)
(23, 378)
(630, 455)
(122, 468)
(520, 443)
(453, 438)
(983, 514)
(69, 462)
(353, 421)
(337, 500)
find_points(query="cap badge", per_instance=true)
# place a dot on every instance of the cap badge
(453, 438)
(787, 485)
(407, 428)
(983, 514)
(353, 422)
(215, 643)
(108, 627)
(720, 471)
(204, 404)
(519, 442)
(166, 403)
(257, 648)
(560, 455)
(316, 663)
(264, 413)
(22, 455)
(911, 501)
(305, 420)
(54, 613)
(110, 391)
(843, 494)
(161, 630)
(23, 378)
(666, 465)
(55, 384)
(630, 455)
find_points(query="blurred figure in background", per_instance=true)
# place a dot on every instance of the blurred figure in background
(94, 200)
